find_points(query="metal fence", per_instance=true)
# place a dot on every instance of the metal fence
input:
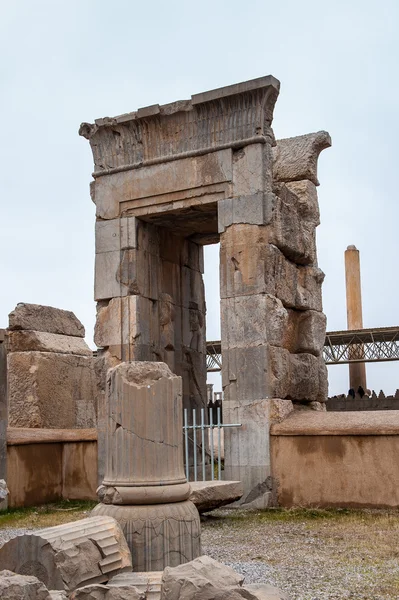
(200, 435)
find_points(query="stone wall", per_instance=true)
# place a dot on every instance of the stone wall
(372, 402)
(47, 465)
(51, 376)
(327, 459)
(273, 327)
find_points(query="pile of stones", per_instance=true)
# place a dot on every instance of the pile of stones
(90, 560)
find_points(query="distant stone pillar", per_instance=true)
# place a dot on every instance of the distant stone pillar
(145, 488)
(3, 415)
(357, 371)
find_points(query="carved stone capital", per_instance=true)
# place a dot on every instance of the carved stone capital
(295, 159)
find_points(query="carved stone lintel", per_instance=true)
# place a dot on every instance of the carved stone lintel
(216, 119)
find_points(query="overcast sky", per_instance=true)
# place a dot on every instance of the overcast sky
(64, 62)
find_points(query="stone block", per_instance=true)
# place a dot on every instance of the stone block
(252, 321)
(281, 276)
(147, 582)
(129, 321)
(293, 233)
(296, 158)
(308, 291)
(311, 332)
(279, 373)
(116, 234)
(242, 260)
(256, 209)
(245, 374)
(203, 577)
(48, 389)
(209, 495)
(45, 318)
(251, 170)
(307, 202)
(41, 341)
(279, 409)
(22, 587)
(125, 272)
(192, 256)
(69, 556)
(304, 377)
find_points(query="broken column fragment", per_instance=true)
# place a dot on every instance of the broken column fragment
(69, 556)
(145, 487)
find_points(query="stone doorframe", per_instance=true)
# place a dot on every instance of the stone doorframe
(170, 179)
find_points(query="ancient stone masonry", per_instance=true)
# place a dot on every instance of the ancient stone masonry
(51, 377)
(273, 328)
(145, 488)
(171, 178)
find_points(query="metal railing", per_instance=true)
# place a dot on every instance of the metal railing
(200, 454)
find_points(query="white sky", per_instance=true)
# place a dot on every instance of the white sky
(63, 62)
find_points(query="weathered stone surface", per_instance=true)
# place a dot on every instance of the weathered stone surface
(295, 376)
(264, 591)
(134, 393)
(47, 389)
(202, 578)
(158, 535)
(295, 158)
(148, 582)
(308, 292)
(25, 341)
(246, 448)
(279, 409)
(208, 495)
(307, 202)
(45, 318)
(294, 229)
(311, 332)
(105, 592)
(125, 323)
(237, 364)
(22, 587)
(69, 556)
(166, 133)
(116, 234)
(145, 487)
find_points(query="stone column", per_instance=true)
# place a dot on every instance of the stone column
(145, 488)
(3, 414)
(273, 328)
(357, 371)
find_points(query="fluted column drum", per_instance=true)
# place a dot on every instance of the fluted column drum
(144, 479)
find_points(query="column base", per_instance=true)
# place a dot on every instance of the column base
(158, 535)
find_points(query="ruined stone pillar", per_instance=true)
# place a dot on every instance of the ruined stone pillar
(145, 488)
(3, 414)
(357, 371)
(273, 328)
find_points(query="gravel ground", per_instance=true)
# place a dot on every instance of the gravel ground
(353, 555)
(310, 555)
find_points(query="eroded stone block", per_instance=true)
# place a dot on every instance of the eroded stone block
(48, 389)
(25, 341)
(22, 587)
(45, 318)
